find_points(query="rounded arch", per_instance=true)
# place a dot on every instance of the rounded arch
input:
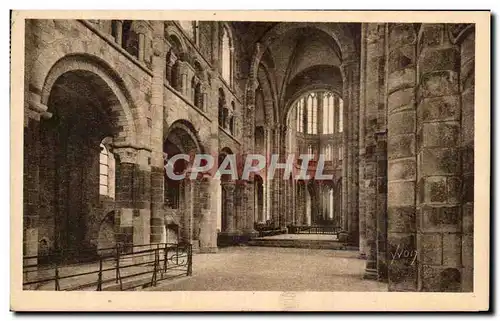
(226, 151)
(106, 82)
(184, 135)
(264, 79)
(174, 37)
(340, 33)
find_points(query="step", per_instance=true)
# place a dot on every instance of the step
(311, 244)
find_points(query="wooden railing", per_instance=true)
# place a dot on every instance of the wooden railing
(114, 270)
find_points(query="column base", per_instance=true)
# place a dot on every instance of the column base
(249, 234)
(228, 238)
(353, 238)
(370, 274)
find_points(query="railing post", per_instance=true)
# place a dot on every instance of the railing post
(99, 276)
(177, 254)
(190, 261)
(165, 258)
(155, 268)
(117, 273)
(57, 278)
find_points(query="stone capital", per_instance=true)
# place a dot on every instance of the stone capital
(228, 186)
(37, 107)
(125, 154)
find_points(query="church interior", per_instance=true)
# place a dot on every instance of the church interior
(390, 106)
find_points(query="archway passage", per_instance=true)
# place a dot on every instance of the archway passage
(181, 194)
(84, 113)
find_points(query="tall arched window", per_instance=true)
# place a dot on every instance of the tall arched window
(226, 56)
(341, 115)
(328, 113)
(328, 152)
(312, 112)
(308, 106)
(232, 121)
(222, 107)
(300, 115)
(103, 171)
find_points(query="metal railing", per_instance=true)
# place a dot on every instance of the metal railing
(116, 269)
(314, 229)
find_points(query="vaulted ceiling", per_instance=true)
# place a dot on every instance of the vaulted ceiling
(298, 58)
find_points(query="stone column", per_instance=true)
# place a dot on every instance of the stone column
(467, 53)
(156, 141)
(350, 72)
(228, 205)
(144, 32)
(439, 237)
(374, 100)
(126, 165)
(362, 124)
(275, 181)
(248, 209)
(283, 184)
(401, 171)
(119, 32)
(268, 181)
(33, 112)
(381, 155)
(187, 210)
(208, 219)
(183, 72)
(171, 59)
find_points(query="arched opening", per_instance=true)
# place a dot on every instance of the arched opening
(77, 168)
(173, 66)
(226, 55)
(259, 199)
(180, 192)
(222, 109)
(225, 190)
(124, 34)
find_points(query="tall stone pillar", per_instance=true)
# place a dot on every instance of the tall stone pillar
(381, 152)
(34, 111)
(362, 126)
(132, 196)
(275, 180)
(187, 210)
(208, 215)
(402, 166)
(228, 204)
(467, 53)
(350, 72)
(439, 237)
(269, 183)
(374, 99)
(156, 140)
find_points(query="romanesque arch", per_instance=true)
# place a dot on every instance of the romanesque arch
(87, 102)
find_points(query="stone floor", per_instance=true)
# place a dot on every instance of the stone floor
(275, 269)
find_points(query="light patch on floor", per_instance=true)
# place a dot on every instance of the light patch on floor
(275, 269)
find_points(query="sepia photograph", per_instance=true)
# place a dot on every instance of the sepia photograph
(218, 157)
